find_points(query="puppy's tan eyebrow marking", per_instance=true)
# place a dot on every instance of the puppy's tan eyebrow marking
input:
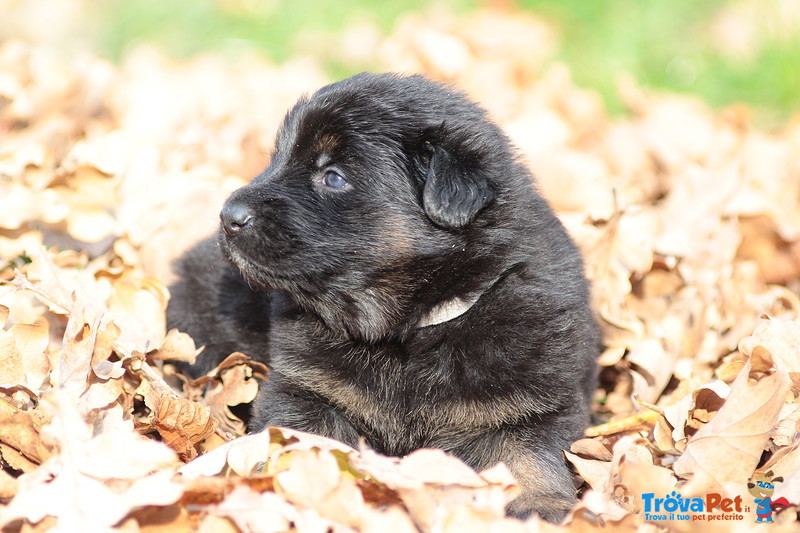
(328, 142)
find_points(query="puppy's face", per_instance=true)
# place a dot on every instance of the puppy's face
(368, 211)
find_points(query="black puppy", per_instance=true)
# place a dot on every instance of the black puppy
(399, 273)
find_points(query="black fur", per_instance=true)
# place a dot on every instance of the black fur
(329, 285)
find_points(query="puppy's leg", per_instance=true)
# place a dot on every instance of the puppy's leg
(279, 404)
(547, 486)
(533, 454)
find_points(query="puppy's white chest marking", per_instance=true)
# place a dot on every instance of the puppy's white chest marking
(448, 310)
(456, 306)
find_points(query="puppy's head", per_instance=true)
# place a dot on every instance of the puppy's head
(384, 197)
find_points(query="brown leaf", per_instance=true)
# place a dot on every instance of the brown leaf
(596, 473)
(15, 460)
(726, 451)
(391, 519)
(249, 454)
(22, 355)
(433, 484)
(788, 426)
(19, 430)
(596, 510)
(236, 385)
(653, 368)
(183, 424)
(254, 511)
(104, 344)
(177, 346)
(79, 344)
(641, 478)
(591, 448)
(87, 485)
(19, 205)
(679, 415)
(333, 495)
(775, 343)
(137, 306)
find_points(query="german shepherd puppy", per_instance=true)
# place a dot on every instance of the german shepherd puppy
(398, 271)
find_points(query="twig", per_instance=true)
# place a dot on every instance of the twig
(630, 423)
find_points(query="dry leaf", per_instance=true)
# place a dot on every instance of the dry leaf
(22, 355)
(88, 472)
(258, 512)
(591, 448)
(780, 342)
(596, 473)
(183, 424)
(709, 397)
(248, 454)
(15, 460)
(653, 368)
(236, 385)
(19, 430)
(78, 345)
(333, 495)
(177, 346)
(726, 451)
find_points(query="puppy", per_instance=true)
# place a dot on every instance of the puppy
(405, 282)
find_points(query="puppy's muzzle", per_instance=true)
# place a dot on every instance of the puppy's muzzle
(235, 216)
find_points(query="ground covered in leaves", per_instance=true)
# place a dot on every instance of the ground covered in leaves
(689, 221)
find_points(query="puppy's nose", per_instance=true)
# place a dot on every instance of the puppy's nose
(234, 217)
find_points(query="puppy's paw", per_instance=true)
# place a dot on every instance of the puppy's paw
(551, 507)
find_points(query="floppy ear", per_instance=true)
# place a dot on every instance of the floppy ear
(453, 195)
(778, 479)
(751, 485)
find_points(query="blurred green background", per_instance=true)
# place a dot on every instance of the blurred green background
(726, 51)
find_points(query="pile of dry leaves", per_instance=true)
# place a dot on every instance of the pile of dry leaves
(689, 221)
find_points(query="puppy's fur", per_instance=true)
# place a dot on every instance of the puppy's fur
(349, 265)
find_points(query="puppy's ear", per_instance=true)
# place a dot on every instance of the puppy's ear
(453, 195)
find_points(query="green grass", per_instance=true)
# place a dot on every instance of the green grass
(664, 44)
(186, 27)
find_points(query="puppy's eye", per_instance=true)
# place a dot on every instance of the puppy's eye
(333, 180)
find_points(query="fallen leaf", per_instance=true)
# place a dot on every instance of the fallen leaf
(779, 341)
(333, 495)
(22, 355)
(726, 451)
(183, 424)
(235, 385)
(709, 397)
(177, 346)
(591, 448)
(19, 430)
(596, 473)
(86, 485)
